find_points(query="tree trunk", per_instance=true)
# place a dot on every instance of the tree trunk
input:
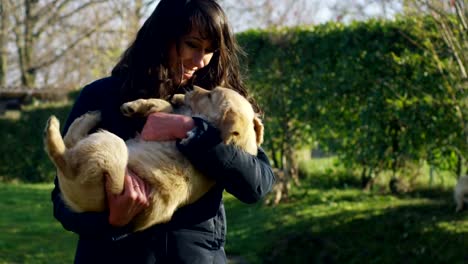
(289, 172)
(28, 74)
(291, 165)
(280, 192)
(460, 164)
(367, 179)
(3, 43)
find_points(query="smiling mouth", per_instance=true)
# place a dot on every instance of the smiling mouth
(188, 73)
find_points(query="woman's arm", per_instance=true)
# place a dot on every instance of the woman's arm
(247, 177)
(86, 224)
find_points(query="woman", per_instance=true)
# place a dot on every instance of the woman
(183, 42)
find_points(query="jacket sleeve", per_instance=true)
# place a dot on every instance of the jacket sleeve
(247, 177)
(87, 223)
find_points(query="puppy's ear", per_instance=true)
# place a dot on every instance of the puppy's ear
(258, 127)
(231, 126)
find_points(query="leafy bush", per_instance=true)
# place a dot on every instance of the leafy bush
(365, 91)
(369, 92)
(22, 156)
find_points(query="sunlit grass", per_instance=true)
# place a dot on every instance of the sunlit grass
(28, 231)
(328, 218)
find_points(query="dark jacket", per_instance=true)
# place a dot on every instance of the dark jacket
(196, 233)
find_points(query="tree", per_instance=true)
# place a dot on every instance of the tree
(65, 43)
(251, 14)
(3, 42)
(275, 82)
(451, 20)
(38, 28)
(347, 11)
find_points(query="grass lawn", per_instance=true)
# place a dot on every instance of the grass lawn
(325, 221)
(28, 231)
(349, 226)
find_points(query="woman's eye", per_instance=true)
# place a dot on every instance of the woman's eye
(197, 46)
(191, 44)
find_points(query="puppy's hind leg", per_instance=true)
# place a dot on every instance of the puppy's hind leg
(144, 107)
(53, 143)
(80, 128)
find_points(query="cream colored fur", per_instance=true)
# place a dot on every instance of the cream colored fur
(82, 160)
(460, 193)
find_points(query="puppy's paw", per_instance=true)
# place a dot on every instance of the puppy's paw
(130, 108)
(144, 107)
(178, 99)
(52, 125)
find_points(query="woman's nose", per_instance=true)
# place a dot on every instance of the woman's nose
(198, 59)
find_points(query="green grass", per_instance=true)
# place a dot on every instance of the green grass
(349, 226)
(320, 223)
(329, 219)
(28, 231)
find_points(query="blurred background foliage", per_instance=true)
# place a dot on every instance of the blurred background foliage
(352, 104)
(382, 95)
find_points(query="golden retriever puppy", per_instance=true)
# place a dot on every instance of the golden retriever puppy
(460, 193)
(82, 160)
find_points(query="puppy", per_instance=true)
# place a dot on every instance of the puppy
(82, 160)
(460, 193)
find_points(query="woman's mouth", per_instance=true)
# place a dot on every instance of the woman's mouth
(188, 74)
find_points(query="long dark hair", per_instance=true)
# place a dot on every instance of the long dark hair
(144, 66)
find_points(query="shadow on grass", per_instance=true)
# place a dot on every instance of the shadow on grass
(327, 180)
(324, 226)
(386, 229)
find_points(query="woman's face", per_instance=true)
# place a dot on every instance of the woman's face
(195, 53)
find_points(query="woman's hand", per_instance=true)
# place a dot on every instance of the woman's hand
(164, 126)
(125, 206)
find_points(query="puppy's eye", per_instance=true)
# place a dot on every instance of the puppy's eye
(209, 96)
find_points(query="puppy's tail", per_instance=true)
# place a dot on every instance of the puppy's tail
(53, 143)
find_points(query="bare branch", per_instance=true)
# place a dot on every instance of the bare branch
(70, 46)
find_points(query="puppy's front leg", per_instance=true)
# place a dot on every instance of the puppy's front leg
(178, 99)
(144, 107)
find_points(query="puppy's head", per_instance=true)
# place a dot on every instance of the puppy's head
(231, 113)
